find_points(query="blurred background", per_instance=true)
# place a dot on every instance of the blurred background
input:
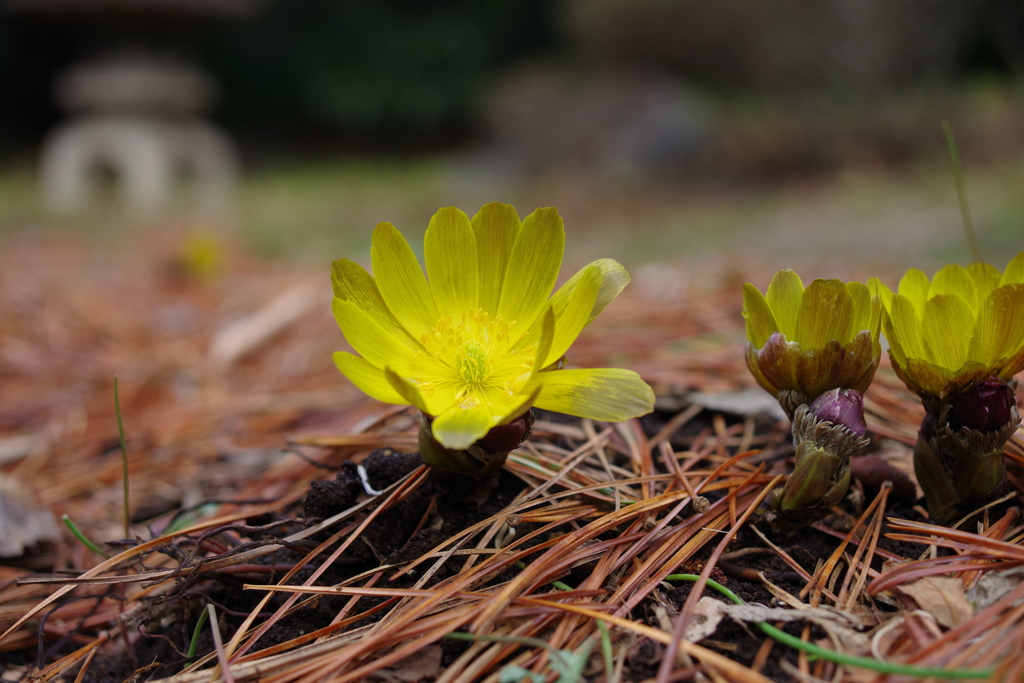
(177, 175)
(662, 129)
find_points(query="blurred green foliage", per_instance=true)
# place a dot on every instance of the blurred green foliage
(379, 71)
(386, 68)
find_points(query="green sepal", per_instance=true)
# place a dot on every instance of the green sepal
(966, 484)
(819, 479)
(473, 461)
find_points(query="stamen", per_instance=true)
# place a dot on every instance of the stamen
(471, 356)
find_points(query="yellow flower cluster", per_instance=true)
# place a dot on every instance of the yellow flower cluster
(479, 340)
(956, 340)
(811, 340)
(944, 335)
(963, 326)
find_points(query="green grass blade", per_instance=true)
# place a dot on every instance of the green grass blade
(124, 461)
(203, 616)
(838, 657)
(961, 193)
(82, 537)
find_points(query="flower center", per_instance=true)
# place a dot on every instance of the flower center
(472, 356)
(472, 362)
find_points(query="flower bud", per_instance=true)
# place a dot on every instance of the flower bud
(841, 407)
(509, 436)
(929, 425)
(985, 407)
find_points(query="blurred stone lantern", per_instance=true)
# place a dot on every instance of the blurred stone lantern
(136, 103)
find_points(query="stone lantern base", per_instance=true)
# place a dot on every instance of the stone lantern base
(148, 156)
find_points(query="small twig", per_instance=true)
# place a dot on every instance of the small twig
(218, 645)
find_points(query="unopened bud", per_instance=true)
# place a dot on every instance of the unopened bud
(841, 407)
(509, 436)
(985, 407)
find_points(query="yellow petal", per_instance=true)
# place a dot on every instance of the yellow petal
(914, 285)
(826, 314)
(954, 279)
(760, 320)
(499, 403)
(879, 289)
(876, 319)
(922, 376)
(999, 332)
(544, 340)
(496, 226)
(406, 390)
(540, 335)
(460, 427)
(532, 267)
(449, 249)
(774, 365)
(783, 297)
(897, 354)
(946, 329)
(904, 328)
(352, 283)
(401, 281)
(576, 314)
(1014, 270)
(438, 399)
(367, 377)
(861, 319)
(605, 394)
(614, 279)
(521, 407)
(986, 278)
(371, 341)
(1013, 364)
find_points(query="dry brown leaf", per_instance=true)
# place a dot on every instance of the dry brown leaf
(940, 596)
(707, 615)
(22, 522)
(992, 586)
(741, 402)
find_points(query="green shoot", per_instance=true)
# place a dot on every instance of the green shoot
(556, 583)
(838, 657)
(606, 650)
(961, 194)
(187, 519)
(203, 616)
(124, 461)
(82, 537)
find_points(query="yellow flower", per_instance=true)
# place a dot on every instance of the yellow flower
(476, 346)
(949, 334)
(811, 340)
